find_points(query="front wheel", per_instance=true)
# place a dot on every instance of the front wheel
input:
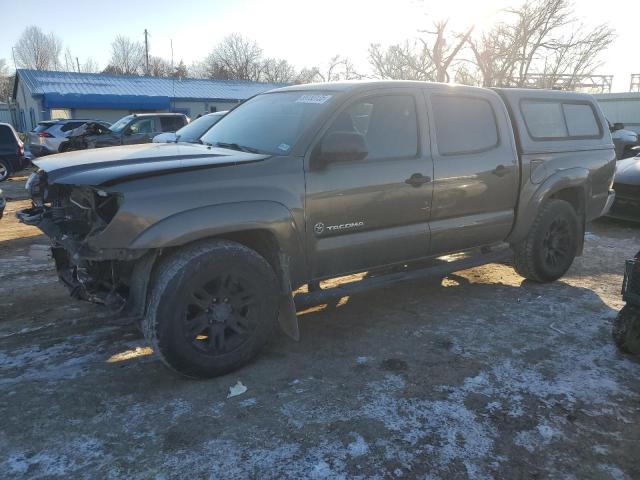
(5, 169)
(551, 244)
(213, 307)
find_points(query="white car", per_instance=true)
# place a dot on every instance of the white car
(49, 136)
(191, 132)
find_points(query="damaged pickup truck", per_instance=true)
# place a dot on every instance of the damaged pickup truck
(204, 244)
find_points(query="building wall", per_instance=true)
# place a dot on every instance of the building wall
(621, 107)
(29, 110)
(193, 109)
(107, 115)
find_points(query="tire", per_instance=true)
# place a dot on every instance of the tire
(5, 169)
(212, 307)
(626, 330)
(550, 247)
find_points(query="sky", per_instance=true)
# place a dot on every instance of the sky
(305, 32)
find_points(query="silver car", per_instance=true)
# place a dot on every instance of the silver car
(50, 136)
(191, 132)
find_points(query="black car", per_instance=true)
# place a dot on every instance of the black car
(627, 187)
(12, 157)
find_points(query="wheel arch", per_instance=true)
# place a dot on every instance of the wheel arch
(570, 185)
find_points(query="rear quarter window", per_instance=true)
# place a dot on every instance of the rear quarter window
(558, 120)
(464, 124)
(71, 126)
(171, 124)
(6, 136)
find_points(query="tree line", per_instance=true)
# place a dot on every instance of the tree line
(538, 37)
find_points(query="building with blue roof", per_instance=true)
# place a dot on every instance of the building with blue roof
(44, 95)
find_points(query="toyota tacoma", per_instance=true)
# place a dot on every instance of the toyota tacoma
(204, 244)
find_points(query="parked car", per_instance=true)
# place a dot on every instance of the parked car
(626, 141)
(192, 132)
(205, 244)
(627, 187)
(3, 204)
(51, 136)
(12, 157)
(130, 130)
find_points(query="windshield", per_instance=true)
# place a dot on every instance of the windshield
(120, 124)
(269, 123)
(194, 130)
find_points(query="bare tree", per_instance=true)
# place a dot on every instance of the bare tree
(430, 58)
(338, 68)
(6, 81)
(37, 50)
(531, 41)
(127, 57)
(401, 62)
(159, 67)
(277, 71)
(180, 71)
(444, 49)
(235, 57)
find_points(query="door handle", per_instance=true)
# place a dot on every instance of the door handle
(500, 171)
(417, 179)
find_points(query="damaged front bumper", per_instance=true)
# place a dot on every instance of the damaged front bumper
(71, 216)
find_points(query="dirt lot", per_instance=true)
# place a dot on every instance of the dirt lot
(478, 375)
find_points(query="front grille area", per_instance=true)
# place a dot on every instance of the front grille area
(627, 191)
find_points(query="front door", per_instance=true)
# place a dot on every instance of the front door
(141, 130)
(373, 211)
(475, 170)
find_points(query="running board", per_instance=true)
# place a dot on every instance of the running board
(473, 258)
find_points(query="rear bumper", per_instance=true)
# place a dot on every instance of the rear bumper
(39, 150)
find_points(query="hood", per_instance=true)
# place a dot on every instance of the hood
(628, 171)
(112, 165)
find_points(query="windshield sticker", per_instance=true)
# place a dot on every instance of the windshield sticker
(284, 147)
(313, 98)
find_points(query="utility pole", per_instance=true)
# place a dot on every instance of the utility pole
(78, 63)
(146, 50)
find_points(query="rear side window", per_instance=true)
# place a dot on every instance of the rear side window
(71, 125)
(551, 120)
(6, 135)
(171, 124)
(581, 121)
(41, 127)
(388, 124)
(464, 124)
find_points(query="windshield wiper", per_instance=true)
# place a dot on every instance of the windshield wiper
(235, 146)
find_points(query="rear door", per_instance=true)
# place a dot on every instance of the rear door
(475, 169)
(372, 212)
(171, 123)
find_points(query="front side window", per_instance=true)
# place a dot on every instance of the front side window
(144, 125)
(388, 124)
(120, 124)
(464, 124)
(269, 123)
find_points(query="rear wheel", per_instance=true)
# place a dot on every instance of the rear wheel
(213, 307)
(551, 244)
(5, 169)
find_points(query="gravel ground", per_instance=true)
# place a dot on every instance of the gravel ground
(477, 375)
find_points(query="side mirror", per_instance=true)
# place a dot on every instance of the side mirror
(618, 126)
(342, 147)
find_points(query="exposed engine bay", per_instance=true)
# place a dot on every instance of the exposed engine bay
(70, 216)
